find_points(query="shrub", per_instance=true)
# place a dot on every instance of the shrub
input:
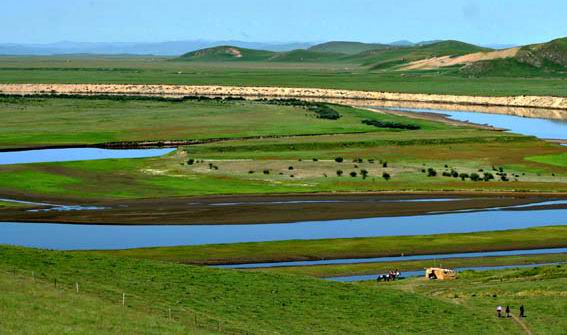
(463, 176)
(488, 176)
(391, 125)
(454, 174)
(446, 174)
(290, 168)
(315, 160)
(475, 176)
(190, 161)
(266, 171)
(385, 164)
(353, 174)
(364, 173)
(386, 175)
(339, 159)
(339, 173)
(251, 171)
(431, 172)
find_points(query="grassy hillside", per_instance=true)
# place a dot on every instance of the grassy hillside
(537, 60)
(385, 58)
(227, 54)
(226, 301)
(347, 48)
(38, 307)
(540, 290)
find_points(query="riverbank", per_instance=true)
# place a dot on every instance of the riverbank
(363, 269)
(270, 208)
(543, 102)
(301, 250)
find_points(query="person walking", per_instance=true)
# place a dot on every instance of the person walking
(507, 311)
(522, 311)
(499, 311)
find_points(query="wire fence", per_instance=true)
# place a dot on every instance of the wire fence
(134, 301)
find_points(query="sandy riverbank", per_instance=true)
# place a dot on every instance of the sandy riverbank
(545, 102)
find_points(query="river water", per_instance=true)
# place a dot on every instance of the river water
(542, 128)
(76, 236)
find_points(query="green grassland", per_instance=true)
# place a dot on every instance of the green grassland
(273, 149)
(225, 301)
(29, 122)
(341, 75)
(258, 252)
(540, 290)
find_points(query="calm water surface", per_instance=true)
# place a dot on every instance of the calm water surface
(398, 258)
(542, 128)
(75, 154)
(73, 236)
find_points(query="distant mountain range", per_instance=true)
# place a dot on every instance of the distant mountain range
(176, 48)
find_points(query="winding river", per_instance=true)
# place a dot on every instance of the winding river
(76, 236)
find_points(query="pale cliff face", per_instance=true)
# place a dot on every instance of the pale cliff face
(530, 106)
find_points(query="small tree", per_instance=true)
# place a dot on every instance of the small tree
(431, 172)
(191, 161)
(364, 173)
(488, 176)
(339, 159)
(386, 176)
(385, 164)
(463, 176)
(266, 171)
(475, 176)
(290, 168)
(353, 174)
(339, 173)
(454, 174)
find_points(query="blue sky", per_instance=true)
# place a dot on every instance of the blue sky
(476, 21)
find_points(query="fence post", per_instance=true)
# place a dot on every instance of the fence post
(33, 275)
(169, 314)
(123, 299)
(77, 287)
(55, 282)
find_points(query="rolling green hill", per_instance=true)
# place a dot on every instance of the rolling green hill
(385, 58)
(227, 53)
(227, 301)
(347, 48)
(536, 60)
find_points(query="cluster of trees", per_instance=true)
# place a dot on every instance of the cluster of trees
(323, 111)
(392, 125)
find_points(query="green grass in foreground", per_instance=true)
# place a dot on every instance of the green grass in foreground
(532, 238)
(255, 303)
(322, 271)
(37, 307)
(341, 75)
(540, 290)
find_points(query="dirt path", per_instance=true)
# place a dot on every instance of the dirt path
(548, 102)
(522, 325)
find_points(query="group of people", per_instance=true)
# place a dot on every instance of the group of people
(499, 311)
(391, 275)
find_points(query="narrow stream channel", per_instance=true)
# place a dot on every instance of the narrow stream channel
(420, 273)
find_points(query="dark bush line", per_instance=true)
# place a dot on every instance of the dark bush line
(392, 125)
(323, 111)
(117, 97)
